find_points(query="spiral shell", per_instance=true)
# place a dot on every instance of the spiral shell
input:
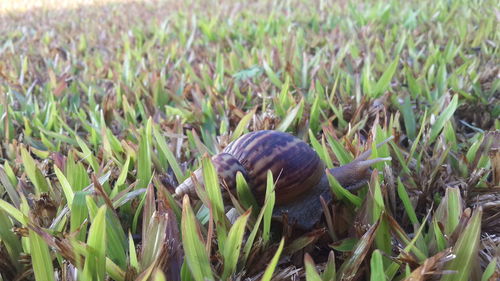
(293, 163)
(295, 166)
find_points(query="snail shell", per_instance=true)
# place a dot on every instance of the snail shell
(299, 173)
(293, 163)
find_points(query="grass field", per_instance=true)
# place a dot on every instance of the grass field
(106, 106)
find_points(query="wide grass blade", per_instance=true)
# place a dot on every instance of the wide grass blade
(311, 273)
(443, 118)
(34, 173)
(466, 250)
(385, 80)
(194, 246)
(95, 260)
(377, 267)
(40, 257)
(233, 245)
(144, 167)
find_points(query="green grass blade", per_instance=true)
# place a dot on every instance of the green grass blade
(66, 187)
(34, 173)
(233, 245)
(95, 260)
(40, 257)
(268, 210)
(311, 273)
(466, 250)
(194, 247)
(162, 144)
(144, 167)
(377, 267)
(271, 267)
(443, 118)
(12, 211)
(385, 80)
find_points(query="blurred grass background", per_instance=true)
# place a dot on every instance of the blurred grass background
(106, 106)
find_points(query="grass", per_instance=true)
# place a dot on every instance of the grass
(105, 109)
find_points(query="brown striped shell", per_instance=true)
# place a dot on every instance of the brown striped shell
(293, 163)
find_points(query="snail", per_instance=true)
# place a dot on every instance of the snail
(299, 173)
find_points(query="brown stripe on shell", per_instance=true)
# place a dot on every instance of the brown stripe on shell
(227, 166)
(295, 162)
(246, 143)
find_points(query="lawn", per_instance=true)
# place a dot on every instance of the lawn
(107, 106)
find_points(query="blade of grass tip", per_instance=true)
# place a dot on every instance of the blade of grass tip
(162, 144)
(416, 142)
(116, 239)
(87, 155)
(253, 233)
(317, 146)
(327, 159)
(403, 196)
(268, 211)
(9, 188)
(79, 213)
(438, 235)
(40, 257)
(144, 166)
(466, 250)
(10, 174)
(385, 80)
(137, 214)
(194, 246)
(66, 187)
(314, 122)
(345, 245)
(490, 270)
(290, 117)
(274, 261)
(338, 149)
(245, 195)
(392, 269)
(95, 260)
(242, 125)
(449, 210)
(272, 75)
(132, 253)
(377, 267)
(169, 199)
(33, 172)
(158, 275)
(121, 178)
(76, 174)
(149, 208)
(11, 241)
(215, 202)
(329, 272)
(443, 117)
(409, 118)
(341, 192)
(311, 272)
(303, 241)
(233, 245)
(114, 271)
(12, 211)
(349, 268)
(186, 274)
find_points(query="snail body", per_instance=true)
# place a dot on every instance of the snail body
(299, 173)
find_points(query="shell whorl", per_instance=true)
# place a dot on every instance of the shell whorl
(295, 166)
